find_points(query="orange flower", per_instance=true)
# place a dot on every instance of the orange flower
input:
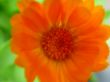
(60, 40)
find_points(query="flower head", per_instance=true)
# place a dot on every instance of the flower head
(60, 40)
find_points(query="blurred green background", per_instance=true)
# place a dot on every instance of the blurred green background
(9, 72)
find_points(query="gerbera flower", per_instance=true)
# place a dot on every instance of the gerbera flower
(60, 40)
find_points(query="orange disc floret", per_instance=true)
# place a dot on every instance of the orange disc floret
(60, 40)
(57, 43)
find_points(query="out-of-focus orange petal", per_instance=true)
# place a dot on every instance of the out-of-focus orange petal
(105, 31)
(19, 26)
(70, 5)
(100, 66)
(24, 4)
(20, 61)
(96, 19)
(101, 60)
(43, 69)
(54, 70)
(47, 4)
(30, 74)
(79, 16)
(35, 18)
(55, 12)
(19, 30)
(29, 71)
(24, 42)
(96, 34)
(84, 51)
(62, 73)
(89, 4)
(97, 16)
(70, 69)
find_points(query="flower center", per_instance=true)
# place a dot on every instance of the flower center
(57, 43)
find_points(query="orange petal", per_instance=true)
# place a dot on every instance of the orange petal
(18, 25)
(47, 4)
(71, 70)
(42, 68)
(30, 74)
(100, 66)
(19, 61)
(29, 71)
(85, 54)
(21, 35)
(24, 4)
(55, 12)
(96, 19)
(105, 32)
(101, 60)
(70, 5)
(95, 34)
(79, 16)
(35, 17)
(89, 4)
(62, 74)
(22, 60)
(97, 16)
(24, 42)
(66, 69)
